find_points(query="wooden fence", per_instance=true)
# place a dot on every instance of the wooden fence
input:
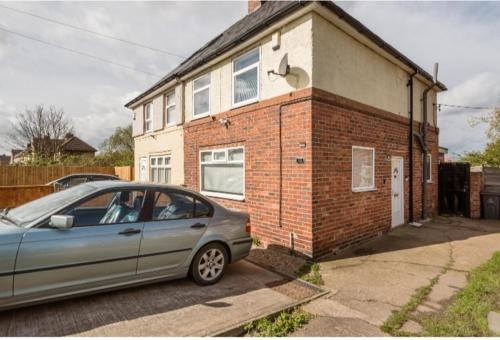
(13, 196)
(39, 175)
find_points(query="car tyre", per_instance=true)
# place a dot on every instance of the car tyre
(209, 264)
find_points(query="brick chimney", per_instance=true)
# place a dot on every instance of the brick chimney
(253, 5)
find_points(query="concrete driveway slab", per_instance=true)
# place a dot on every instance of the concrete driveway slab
(177, 308)
(380, 277)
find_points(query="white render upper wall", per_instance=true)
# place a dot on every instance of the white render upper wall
(322, 53)
(346, 66)
(296, 40)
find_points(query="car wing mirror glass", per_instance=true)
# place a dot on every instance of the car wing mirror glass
(62, 221)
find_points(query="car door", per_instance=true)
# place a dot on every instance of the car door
(178, 221)
(102, 246)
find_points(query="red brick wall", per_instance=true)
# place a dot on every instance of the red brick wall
(317, 202)
(476, 185)
(257, 128)
(341, 217)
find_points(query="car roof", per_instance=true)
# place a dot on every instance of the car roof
(81, 175)
(117, 184)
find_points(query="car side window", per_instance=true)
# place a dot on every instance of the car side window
(122, 206)
(172, 206)
(201, 209)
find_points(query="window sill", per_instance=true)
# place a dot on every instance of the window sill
(203, 115)
(248, 102)
(364, 190)
(226, 196)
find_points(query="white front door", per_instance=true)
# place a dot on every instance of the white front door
(143, 169)
(397, 191)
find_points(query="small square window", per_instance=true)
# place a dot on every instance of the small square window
(363, 168)
(219, 155)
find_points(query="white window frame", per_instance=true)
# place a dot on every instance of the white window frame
(168, 106)
(146, 120)
(226, 160)
(151, 167)
(362, 189)
(429, 164)
(207, 113)
(249, 67)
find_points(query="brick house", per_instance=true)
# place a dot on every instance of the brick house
(319, 150)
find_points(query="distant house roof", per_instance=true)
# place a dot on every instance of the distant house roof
(4, 159)
(16, 152)
(258, 20)
(74, 143)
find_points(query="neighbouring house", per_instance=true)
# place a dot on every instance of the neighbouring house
(4, 159)
(70, 145)
(443, 155)
(302, 116)
(18, 156)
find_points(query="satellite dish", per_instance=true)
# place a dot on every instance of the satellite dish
(283, 68)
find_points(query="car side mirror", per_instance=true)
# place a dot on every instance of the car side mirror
(62, 221)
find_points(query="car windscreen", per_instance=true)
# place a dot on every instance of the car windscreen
(33, 210)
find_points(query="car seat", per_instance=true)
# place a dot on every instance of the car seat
(118, 210)
(133, 215)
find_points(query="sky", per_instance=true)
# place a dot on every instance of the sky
(462, 36)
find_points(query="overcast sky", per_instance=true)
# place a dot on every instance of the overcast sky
(462, 37)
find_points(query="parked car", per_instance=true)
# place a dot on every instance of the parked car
(107, 234)
(75, 179)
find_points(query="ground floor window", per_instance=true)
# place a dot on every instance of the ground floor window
(160, 169)
(363, 168)
(222, 172)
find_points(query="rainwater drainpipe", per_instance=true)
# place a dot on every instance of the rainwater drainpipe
(410, 142)
(424, 138)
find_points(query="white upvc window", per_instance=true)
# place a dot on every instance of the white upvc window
(148, 117)
(170, 113)
(246, 78)
(363, 168)
(160, 169)
(429, 168)
(201, 96)
(222, 173)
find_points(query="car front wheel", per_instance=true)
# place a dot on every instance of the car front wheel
(209, 264)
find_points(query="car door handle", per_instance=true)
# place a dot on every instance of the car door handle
(198, 225)
(129, 231)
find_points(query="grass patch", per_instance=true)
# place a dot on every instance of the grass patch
(310, 273)
(283, 324)
(468, 312)
(398, 318)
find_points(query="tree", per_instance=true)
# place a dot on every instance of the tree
(118, 149)
(38, 129)
(490, 156)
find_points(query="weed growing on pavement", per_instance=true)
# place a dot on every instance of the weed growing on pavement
(283, 324)
(310, 272)
(256, 241)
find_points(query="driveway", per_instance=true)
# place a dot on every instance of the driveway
(177, 308)
(370, 282)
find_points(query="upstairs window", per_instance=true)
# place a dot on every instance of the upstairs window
(170, 109)
(201, 96)
(148, 117)
(246, 78)
(223, 173)
(161, 170)
(363, 168)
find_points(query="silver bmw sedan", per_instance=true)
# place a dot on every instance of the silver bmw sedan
(110, 234)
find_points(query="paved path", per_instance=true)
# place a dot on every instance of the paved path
(372, 281)
(177, 308)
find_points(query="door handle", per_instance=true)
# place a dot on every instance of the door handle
(129, 231)
(198, 225)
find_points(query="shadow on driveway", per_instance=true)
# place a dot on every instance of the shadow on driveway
(176, 308)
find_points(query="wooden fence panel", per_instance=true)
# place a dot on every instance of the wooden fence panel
(13, 196)
(38, 175)
(125, 172)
